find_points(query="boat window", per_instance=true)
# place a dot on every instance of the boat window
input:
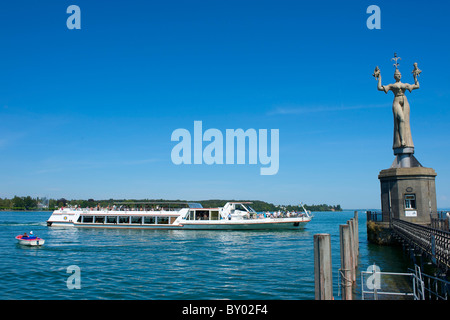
(191, 215)
(172, 220)
(163, 220)
(88, 219)
(250, 208)
(214, 215)
(194, 205)
(80, 218)
(202, 215)
(111, 219)
(149, 220)
(136, 220)
(240, 207)
(124, 219)
(99, 219)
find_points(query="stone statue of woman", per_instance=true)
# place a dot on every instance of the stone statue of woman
(400, 106)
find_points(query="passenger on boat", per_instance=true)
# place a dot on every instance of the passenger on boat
(25, 236)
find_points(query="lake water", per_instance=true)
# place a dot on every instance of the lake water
(175, 264)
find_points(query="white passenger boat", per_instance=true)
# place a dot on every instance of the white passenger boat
(158, 215)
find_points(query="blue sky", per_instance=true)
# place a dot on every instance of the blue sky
(89, 113)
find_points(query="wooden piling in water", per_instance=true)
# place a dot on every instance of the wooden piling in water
(356, 234)
(322, 267)
(352, 249)
(349, 241)
(346, 262)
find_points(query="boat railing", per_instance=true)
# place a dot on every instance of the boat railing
(135, 206)
(276, 215)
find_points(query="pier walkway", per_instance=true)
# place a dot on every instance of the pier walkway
(433, 242)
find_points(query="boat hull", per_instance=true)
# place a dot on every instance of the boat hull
(266, 224)
(272, 224)
(30, 242)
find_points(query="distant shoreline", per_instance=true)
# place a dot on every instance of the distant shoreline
(41, 204)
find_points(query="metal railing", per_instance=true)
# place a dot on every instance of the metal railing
(377, 285)
(421, 286)
(435, 243)
(375, 216)
(435, 288)
(440, 222)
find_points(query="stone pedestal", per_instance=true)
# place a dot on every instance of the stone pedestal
(404, 158)
(408, 193)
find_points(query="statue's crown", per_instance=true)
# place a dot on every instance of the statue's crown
(396, 64)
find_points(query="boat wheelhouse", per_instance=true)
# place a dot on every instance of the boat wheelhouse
(176, 215)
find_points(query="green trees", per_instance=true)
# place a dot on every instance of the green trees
(265, 206)
(29, 203)
(5, 204)
(19, 203)
(323, 207)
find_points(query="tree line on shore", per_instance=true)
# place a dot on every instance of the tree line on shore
(30, 204)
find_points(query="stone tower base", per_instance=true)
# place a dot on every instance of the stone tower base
(408, 194)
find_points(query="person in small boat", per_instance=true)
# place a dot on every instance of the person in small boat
(24, 235)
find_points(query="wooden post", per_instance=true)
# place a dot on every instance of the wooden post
(322, 267)
(346, 262)
(352, 249)
(355, 240)
(357, 235)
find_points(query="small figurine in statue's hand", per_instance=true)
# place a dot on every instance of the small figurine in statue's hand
(416, 70)
(376, 73)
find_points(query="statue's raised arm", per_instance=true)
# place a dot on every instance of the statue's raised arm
(416, 72)
(377, 75)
